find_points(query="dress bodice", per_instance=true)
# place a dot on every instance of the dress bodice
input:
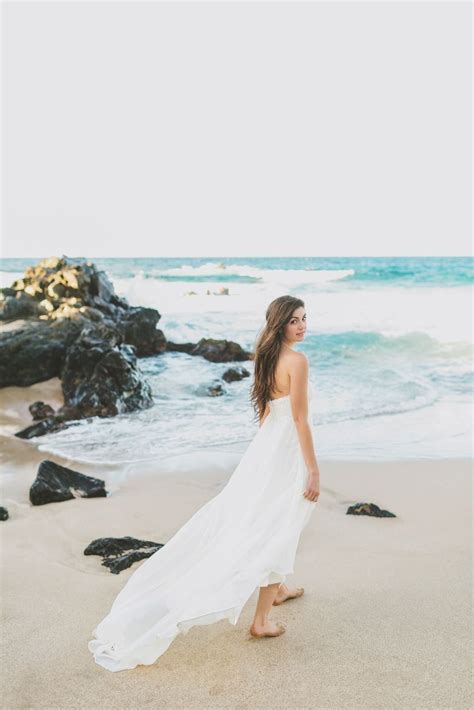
(282, 405)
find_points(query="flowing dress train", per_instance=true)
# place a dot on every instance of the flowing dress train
(243, 538)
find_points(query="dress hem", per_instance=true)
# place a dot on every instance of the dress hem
(108, 656)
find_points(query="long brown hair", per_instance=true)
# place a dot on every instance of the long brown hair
(267, 350)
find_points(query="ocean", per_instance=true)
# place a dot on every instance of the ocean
(389, 342)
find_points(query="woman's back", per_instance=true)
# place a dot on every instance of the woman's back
(282, 374)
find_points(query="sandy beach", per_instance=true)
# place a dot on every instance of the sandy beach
(385, 621)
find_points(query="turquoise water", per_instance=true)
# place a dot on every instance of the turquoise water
(402, 271)
(389, 342)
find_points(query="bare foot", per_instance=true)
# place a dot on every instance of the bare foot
(270, 628)
(285, 593)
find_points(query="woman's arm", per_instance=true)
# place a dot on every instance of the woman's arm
(299, 406)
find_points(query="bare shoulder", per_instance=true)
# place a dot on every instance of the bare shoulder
(298, 366)
(299, 361)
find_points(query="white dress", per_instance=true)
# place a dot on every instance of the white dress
(243, 538)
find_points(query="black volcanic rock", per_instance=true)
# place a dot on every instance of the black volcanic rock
(56, 287)
(64, 288)
(215, 390)
(15, 305)
(55, 483)
(53, 423)
(233, 374)
(369, 509)
(138, 326)
(220, 350)
(213, 350)
(100, 376)
(180, 347)
(40, 410)
(121, 552)
(78, 329)
(36, 352)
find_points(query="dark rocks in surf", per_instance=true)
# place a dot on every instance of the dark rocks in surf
(78, 329)
(55, 483)
(180, 347)
(3, 513)
(369, 509)
(100, 377)
(213, 350)
(19, 304)
(36, 351)
(60, 288)
(40, 410)
(215, 390)
(138, 326)
(81, 332)
(220, 350)
(234, 374)
(119, 553)
(55, 422)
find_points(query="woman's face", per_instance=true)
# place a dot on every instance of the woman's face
(295, 329)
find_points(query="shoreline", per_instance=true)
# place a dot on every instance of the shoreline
(14, 416)
(22, 458)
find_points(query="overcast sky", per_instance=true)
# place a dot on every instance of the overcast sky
(236, 129)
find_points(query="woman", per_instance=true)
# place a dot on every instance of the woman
(243, 538)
